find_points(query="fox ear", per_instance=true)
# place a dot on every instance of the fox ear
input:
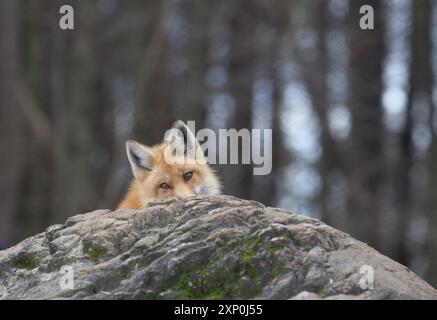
(140, 158)
(185, 136)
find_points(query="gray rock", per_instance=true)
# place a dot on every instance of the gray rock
(213, 247)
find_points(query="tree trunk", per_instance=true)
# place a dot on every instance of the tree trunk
(11, 120)
(192, 102)
(74, 141)
(153, 112)
(242, 24)
(366, 151)
(420, 101)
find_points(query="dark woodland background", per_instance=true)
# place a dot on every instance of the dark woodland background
(352, 111)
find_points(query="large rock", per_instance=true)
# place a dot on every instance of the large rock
(215, 247)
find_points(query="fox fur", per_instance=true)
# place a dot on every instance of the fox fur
(155, 178)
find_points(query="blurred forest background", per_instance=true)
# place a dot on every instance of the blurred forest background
(352, 111)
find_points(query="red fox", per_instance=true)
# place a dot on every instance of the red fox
(156, 178)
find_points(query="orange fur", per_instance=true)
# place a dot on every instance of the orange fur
(146, 185)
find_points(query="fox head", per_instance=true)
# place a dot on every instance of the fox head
(160, 173)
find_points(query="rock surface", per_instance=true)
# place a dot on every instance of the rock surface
(201, 248)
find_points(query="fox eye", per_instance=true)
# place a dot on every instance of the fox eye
(164, 186)
(188, 175)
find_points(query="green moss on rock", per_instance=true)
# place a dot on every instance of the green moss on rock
(219, 280)
(94, 253)
(27, 262)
